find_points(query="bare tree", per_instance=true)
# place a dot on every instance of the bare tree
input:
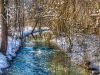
(4, 26)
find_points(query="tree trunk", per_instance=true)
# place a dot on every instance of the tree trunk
(4, 26)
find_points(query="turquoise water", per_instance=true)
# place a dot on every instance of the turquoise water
(31, 61)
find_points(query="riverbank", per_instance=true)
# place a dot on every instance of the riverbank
(90, 44)
(14, 44)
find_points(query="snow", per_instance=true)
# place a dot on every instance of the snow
(28, 30)
(61, 42)
(80, 42)
(13, 46)
(95, 66)
(3, 62)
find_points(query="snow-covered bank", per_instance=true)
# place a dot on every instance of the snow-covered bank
(3, 62)
(13, 46)
(29, 30)
(81, 43)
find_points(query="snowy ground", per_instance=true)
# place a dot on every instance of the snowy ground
(81, 42)
(3, 62)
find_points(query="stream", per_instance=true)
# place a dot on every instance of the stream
(31, 61)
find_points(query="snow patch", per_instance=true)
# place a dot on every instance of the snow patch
(3, 62)
(13, 46)
(90, 43)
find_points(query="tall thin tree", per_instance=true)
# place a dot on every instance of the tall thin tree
(4, 26)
